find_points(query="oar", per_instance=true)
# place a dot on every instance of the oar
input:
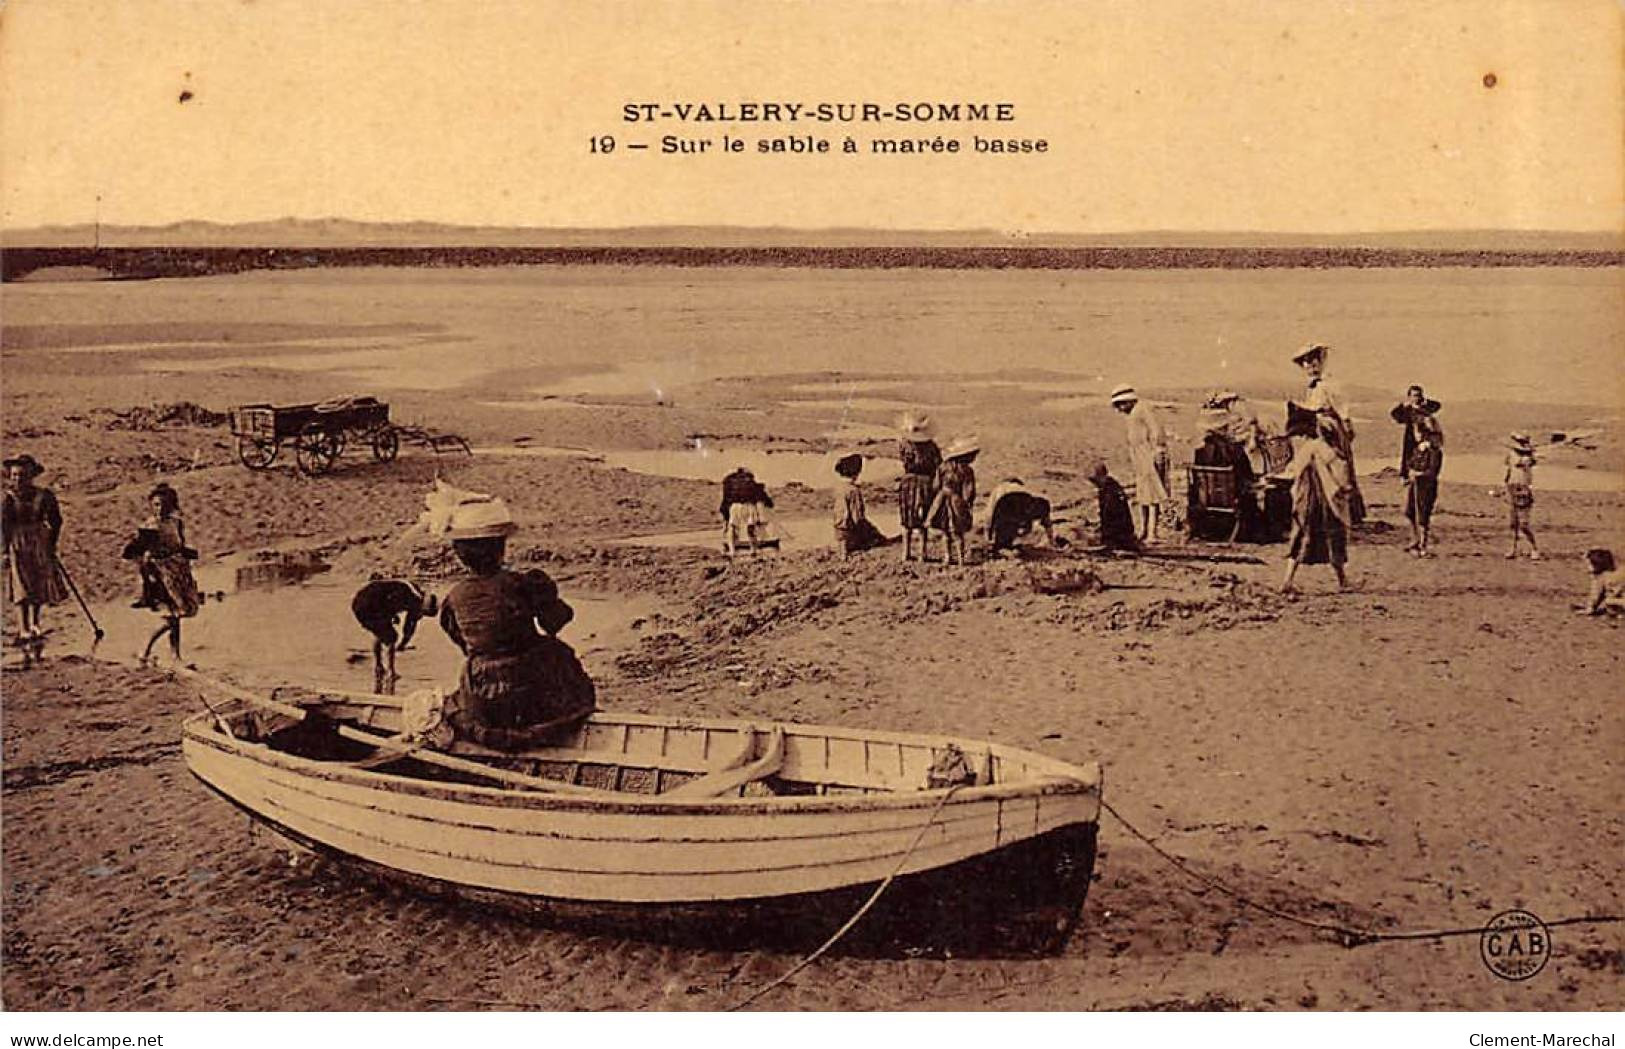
(400, 746)
(66, 578)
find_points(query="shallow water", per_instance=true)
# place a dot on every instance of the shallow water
(793, 533)
(708, 462)
(1470, 334)
(257, 628)
(1490, 470)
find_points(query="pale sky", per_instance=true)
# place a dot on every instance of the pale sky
(1291, 115)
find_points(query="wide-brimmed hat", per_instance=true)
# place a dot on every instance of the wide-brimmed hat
(1310, 352)
(961, 446)
(849, 465)
(1222, 398)
(30, 465)
(1124, 395)
(486, 518)
(915, 427)
(1520, 442)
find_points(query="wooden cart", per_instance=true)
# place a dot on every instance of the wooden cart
(319, 433)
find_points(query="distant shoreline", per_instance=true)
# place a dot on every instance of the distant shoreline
(135, 263)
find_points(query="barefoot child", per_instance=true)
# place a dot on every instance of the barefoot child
(917, 486)
(378, 606)
(168, 561)
(950, 510)
(743, 502)
(1607, 585)
(1520, 485)
(32, 521)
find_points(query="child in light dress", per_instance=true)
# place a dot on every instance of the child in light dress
(1520, 486)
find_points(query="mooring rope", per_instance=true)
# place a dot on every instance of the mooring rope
(1347, 936)
(856, 915)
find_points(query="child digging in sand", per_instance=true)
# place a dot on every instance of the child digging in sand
(1520, 485)
(950, 511)
(744, 502)
(1607, 596)
(1116, 517)
(854, 532)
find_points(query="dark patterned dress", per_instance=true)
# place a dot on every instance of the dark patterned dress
(519, 688)
(170, 569)
(31, 521)
(956, 482)
(918, 486)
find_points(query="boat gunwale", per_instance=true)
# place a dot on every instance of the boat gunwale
(1079, 780)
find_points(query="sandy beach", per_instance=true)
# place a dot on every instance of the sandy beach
(1436, 746)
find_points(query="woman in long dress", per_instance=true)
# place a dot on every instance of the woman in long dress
(1323, 396)
(167, 562)
(1321, 517)
(521, 686)
(1148, 457)
(31, 522)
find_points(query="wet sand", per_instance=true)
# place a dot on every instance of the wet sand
(1435, 747)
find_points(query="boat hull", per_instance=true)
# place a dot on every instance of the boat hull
(1021, 899)
(999, 863)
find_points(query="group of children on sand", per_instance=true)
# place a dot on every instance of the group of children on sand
(936, 491)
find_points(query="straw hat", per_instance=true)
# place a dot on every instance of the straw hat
(487, 518)
(30, 465)
(961, 446)
(1310, 352)
(916, 427)
(1124, 395)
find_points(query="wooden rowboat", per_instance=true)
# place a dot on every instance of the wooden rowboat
(710, 831)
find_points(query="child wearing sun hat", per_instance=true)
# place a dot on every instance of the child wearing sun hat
(1520, 486)
(950, 510)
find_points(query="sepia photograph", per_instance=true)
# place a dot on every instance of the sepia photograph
(874, 506)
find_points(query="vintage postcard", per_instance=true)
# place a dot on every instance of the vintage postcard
(837, 507)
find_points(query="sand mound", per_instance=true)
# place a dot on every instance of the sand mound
(152, 417)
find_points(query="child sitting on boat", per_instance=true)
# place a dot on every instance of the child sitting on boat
(520, 686)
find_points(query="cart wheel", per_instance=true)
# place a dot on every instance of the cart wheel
(256, 453)
(386, 444)
(317, 449)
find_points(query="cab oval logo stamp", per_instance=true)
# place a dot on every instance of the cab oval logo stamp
(1515, 945)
